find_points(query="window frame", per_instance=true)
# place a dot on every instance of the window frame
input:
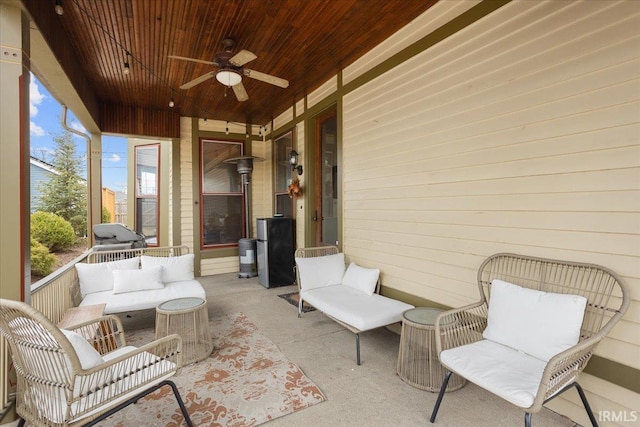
(137, 196)
(203, 194)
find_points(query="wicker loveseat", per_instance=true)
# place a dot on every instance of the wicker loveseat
(136, 279)
(533, 331)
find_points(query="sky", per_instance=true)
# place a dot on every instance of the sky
(45, 113)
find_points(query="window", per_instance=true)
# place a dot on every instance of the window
(283, 203)
(147, 192)
(222, 198)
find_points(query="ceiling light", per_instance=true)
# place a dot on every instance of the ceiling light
(59, 10)
(228, 77)
(171, 103)
(126, 68)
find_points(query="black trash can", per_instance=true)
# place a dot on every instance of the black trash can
(247, 253)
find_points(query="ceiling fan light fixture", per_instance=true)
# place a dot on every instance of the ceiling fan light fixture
(228, 77)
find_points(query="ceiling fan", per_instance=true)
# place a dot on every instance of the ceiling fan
(231, 69)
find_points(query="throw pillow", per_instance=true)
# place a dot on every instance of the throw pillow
(98, 277)
(87, 355)
(541, 324)
(145, 279)
(175, 268)
(360, 278)
(320, 271)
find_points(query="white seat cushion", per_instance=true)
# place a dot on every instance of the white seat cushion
(355, 307)
(144, 279)
(98, 277)
(541, 324)
(505, 372)
(316, 272)
(142, 300)
(174, 268)
(360, 278)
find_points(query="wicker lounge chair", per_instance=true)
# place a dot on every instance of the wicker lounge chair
(80, 377)
(350, 298)
(522, 371)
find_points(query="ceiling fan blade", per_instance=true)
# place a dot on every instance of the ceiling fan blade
(240, 92)
(192, 59)
(198, 80)
(267, 78)
(242, 57)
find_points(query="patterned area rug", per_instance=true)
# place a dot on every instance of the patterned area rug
(245, 382)
(293, 299)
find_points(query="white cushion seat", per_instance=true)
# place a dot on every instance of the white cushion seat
(354, 307)
(509, 374)
(146, 299)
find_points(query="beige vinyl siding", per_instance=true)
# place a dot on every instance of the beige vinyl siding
(326, 89)
(519, 133)
(283, 118)
(438, 15)
(262, 198)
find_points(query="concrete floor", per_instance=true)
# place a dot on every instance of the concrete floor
(369, 395)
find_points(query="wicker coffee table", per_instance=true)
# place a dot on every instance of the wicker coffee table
(418, 363)
(187, 317)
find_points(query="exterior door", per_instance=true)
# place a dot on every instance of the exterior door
(325, 215)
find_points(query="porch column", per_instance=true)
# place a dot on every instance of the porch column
(15, 202)
(94, 183)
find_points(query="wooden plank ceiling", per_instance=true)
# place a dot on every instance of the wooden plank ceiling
(303, 41)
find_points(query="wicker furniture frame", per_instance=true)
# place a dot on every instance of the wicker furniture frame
(54, 390)
(189, 318)
(607, 297)
(323, 251)
(418, 363)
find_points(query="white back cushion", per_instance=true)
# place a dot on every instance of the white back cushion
(360, 278)
(320, 271)
(98, 277)
(145, 279)
(88, 355)
(174, 268)
(541, 324)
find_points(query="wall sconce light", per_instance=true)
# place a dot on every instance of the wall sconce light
(293, 161)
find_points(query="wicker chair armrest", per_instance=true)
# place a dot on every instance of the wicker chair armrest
(105, 333)
(564, 368)
(134, 370)
(461, 326)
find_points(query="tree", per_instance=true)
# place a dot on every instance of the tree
(66, 193)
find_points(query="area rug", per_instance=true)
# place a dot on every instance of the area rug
(246, 381)
(293, 298)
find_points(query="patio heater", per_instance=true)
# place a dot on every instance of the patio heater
(247, 250)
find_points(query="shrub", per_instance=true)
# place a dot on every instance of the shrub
(79, 224)
(52, 231)
(41, 260)
(106, 215)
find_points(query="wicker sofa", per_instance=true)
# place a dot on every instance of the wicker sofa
(136, 279)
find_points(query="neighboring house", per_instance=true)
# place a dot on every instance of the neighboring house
(40, 172)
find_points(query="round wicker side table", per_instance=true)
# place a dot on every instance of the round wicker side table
(418, 363)
(187, 317)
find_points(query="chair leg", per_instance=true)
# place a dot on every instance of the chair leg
(443, 388)
(300, 306)
(527, 419)
(583, 397)
(134, 399)
(183, 409)
(358, 349)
